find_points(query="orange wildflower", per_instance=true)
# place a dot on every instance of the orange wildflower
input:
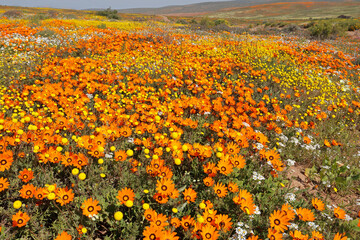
(190, 195)
(160, 198)
(224, 165)
(340, 236)
(20, 219)
(125, 194)
(64, 196)
(318, 204)
(274, 235)
(150, 214)
(288, 211)
(26, 175)
(305, 214)
(208, 181)
(90, 207)
(223, 222)
(4, 184)
(152, 233)
(27, 191)
(165, 186)
(63, 236)
(209, 232)
(220, 190)
(339, 213)
(298, 235)
(187, 221)
(279, 221)
(233, 187)
(6, 160)
(317, 236)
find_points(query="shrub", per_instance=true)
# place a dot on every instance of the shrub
(291, 28)
(52, 13)
(324, 30)
(206, 22)
(102, 26)
(181, 21)
(193, 21)
(357, 61)
(12, 14)
(310, 24)
(220, 22)
(39, 17)
(70, 16)
(351, 25)
(46, 33)
(111, 14)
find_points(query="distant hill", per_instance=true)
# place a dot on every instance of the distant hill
(291, 10)
(244, 8)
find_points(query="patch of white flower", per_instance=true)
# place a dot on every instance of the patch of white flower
(293, 226)
(241, 231)
(94, 217)
(290, 197)
(290, 162)
(313, 225)
(257, 177)
(259, 146)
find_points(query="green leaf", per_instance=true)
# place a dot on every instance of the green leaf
(356, 177)
(182, 188)
(343, 169)
(181, 208)
(354, 224)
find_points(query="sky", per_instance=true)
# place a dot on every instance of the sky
(86, 4)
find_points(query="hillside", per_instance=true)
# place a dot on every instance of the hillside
(292, 10)
(232, 7)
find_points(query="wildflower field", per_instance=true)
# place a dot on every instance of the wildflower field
(131, 130)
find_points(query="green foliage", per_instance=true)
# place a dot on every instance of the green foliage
(181, 21)
(206, 22)
(291, 28)
(46, 33)
(12, 14)
(220, 22)
(102, 26)
(193, 21)
(357, 61)
(111, 14)
(324, 30)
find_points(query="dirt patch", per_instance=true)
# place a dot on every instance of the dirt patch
(354, 35)
(314, 188)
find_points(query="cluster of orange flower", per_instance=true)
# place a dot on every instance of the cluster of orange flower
(156, 110)
(280, 220)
